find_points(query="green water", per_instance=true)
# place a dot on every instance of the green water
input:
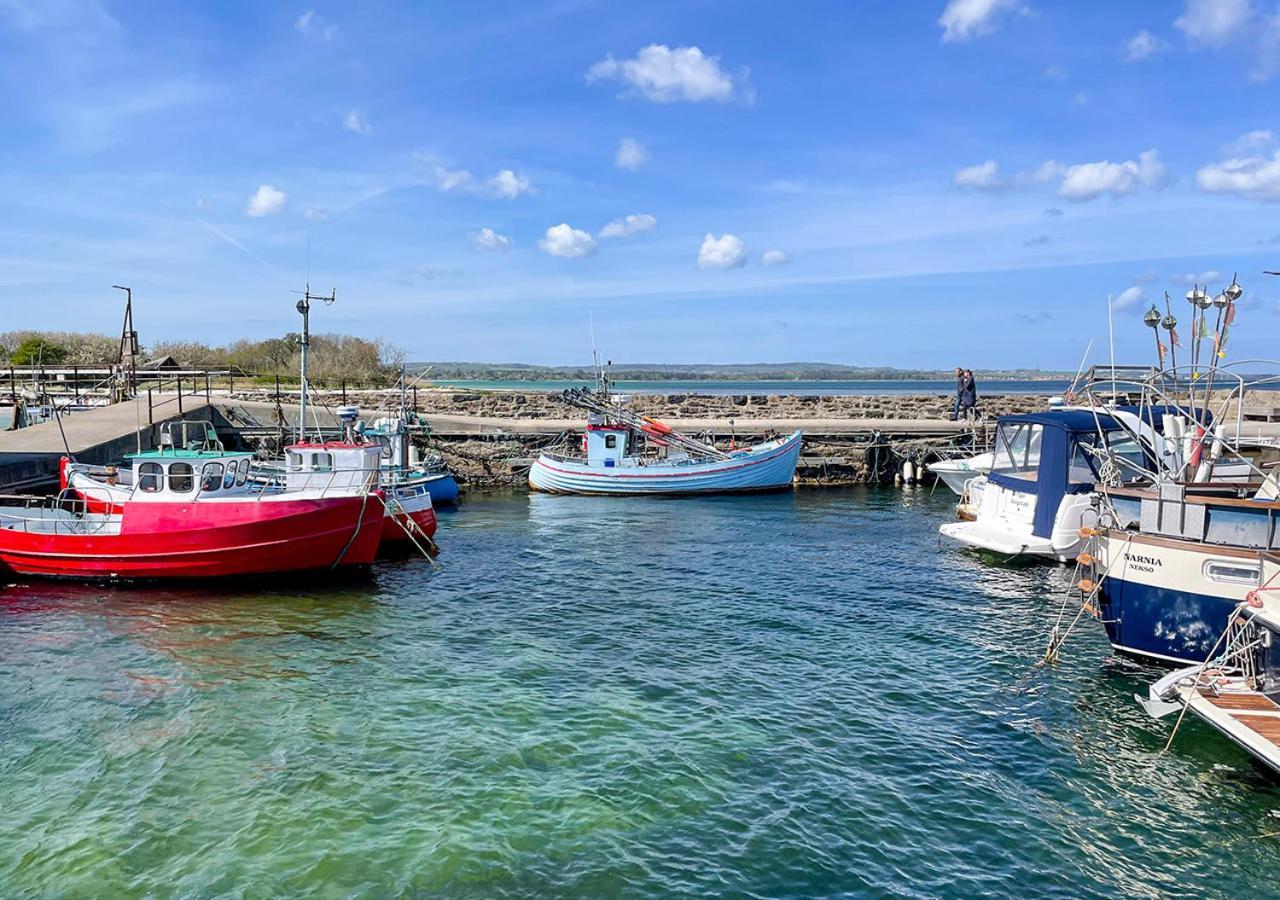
(777, 696)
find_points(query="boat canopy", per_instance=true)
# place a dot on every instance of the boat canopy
(1051, 454)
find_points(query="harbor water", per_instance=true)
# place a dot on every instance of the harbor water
(790, 695)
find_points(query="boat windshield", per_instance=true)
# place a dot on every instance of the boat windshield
(1090, 449)
(1017, 448)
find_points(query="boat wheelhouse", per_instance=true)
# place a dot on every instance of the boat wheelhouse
(1045, 465)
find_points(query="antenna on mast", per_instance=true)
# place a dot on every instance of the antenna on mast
(128, 341)
(304, 307)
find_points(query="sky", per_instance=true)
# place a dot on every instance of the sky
(924, 184)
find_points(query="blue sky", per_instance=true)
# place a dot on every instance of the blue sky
(917, 184)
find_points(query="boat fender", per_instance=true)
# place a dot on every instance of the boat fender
(908, 472)
(584, 443)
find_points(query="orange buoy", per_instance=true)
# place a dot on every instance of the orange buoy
(659, 427)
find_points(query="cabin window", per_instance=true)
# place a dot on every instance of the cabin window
(1231, 572)
(150, 477)
(295, 461)
(182, 478)
(611, 441)
(1084, 468)
(242, 471)
(229, 480)
(1125, 446)
(211, 477)
(1018, 448)
(322, 462)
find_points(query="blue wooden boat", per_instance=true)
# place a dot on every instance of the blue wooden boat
(610, 467)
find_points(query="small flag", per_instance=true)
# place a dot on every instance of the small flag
(1231, 315)
(1173, 337)
(1161, 349)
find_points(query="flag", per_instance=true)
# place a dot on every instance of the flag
(1161, 349)
(1173, 337)
(1231, 315)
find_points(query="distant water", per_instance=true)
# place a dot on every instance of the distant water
(778, 696)
(800, 388)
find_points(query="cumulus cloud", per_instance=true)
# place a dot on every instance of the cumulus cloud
(629, 225)
(1251, 177)
(1088, 181)
(664, 75)
(774, 258)
(1213, 23)
(506, 184)
(631, 154)
(982, 177)
(266, 201)
(963, 20)
(1143, 45)
(567, 242)
(1084, 181)
(314, 25)
(1128, 297)
(726, 252)
(487, 239)
(355, 122)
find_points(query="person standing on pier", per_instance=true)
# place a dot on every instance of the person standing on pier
(968, 395)
(955, 405)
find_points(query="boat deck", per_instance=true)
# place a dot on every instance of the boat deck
(1249, 718)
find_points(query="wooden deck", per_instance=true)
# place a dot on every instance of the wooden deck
(1250, 719)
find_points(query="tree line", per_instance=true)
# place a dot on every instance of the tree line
(332, 357)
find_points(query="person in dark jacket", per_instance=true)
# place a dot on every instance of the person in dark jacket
(955, 406)
(968, 395)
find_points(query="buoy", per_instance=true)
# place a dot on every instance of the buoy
(659, 427)
(908, 472)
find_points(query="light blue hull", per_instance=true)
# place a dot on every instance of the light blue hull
(770, 466)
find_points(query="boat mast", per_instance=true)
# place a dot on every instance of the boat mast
(128, 343)
(304, 307)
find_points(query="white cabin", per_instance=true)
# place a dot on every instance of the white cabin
(606, 445)
(335, 465)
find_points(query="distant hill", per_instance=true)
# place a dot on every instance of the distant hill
(792, 371)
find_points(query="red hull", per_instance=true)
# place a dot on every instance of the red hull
(393, 532)
(207, 540)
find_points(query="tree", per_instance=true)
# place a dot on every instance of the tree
(35, 351)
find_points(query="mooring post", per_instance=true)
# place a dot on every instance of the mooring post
(207, 396)
(344, 392)
(415, 398)
(179, 395)
(150, 420)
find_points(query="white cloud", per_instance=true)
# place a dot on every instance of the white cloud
(1213, 23)
(727, 252)
(314, 25)
(629, 225)
(567, 242)
(508, 184)
(631, 154)
(488, 239)
(774, 258)
(266, 201)
(1056, 72)
(1088, 181)
(1128, 297)
(982, 177)
(664, 75)
(448, 179)
(315, 213)
(354, 121)
(1201, 278)
(1142, 45)
(1250, 142)
(963, 20)
(1251, 177)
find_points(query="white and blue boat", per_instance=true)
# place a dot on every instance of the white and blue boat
(625, 454)
(401, 466)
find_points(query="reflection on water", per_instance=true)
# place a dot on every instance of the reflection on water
(785, 695)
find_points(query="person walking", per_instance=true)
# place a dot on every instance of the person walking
(968, 395)
(955, 405)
